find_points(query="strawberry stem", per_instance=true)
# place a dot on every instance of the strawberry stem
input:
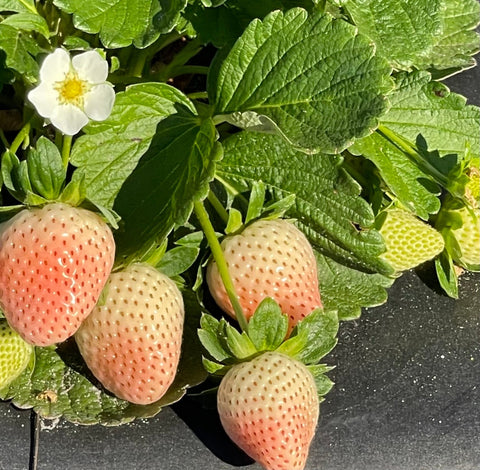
(217, 253)
(66, 148)
(218, 206)
(20, 137)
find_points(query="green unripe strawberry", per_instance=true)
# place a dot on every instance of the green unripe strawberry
(409, 241)
(467, 237)
(15, 354)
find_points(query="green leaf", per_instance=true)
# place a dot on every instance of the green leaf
(111, 149)
(119, 22)
(178, 260)
(347, 290)
(169, 15)
(28, 22)
(268, 326)
(255, 203)
(10, 175)
(74, 192)
(314, 76)
(446, 274)
(322, 328)
(61, 386)
(403, 30)
(239, 344)
(174, 173)
(294, 345)
(425, 111)
(21, 51)
(45, 169)
(235, 221)
(459, 42)
(18, 6)
(414, 188)
(323, 383)
(328, 206)
(210, 335)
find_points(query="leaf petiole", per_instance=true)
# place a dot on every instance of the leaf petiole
(219, 258)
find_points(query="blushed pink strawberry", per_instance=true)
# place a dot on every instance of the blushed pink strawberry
(132, 340)
(269, 407)
(270, 258)
(54, 262)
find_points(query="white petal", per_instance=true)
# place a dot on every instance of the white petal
(68, 118)
(91, 67)
(99, 101)
(44, 98)
(55, 66)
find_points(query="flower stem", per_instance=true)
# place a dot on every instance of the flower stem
(21, 137)
(66, 148)
(219, 258)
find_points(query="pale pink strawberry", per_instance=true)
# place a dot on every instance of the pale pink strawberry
(54, 262)
(270, 258)
(131, 341)
(269, 407)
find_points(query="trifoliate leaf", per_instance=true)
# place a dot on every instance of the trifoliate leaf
(111, 149)
(173, 174)
(313, 76)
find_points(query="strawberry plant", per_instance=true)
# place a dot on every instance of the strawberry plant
(166, 163)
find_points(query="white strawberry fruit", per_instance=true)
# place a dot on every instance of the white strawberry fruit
(132, 340)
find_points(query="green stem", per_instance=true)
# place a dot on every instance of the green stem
(136, 68)
(188, 69)
(3, 139)
(66, 148)
(21, 137)
(218, 206)
(413, 154)
(198, 95)
(219, 258)
(190, 50)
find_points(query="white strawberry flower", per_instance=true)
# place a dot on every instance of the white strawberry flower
(73, 90)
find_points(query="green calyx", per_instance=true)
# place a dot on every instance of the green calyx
(312, 339)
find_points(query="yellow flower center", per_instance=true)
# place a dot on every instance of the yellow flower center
(72, 89)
